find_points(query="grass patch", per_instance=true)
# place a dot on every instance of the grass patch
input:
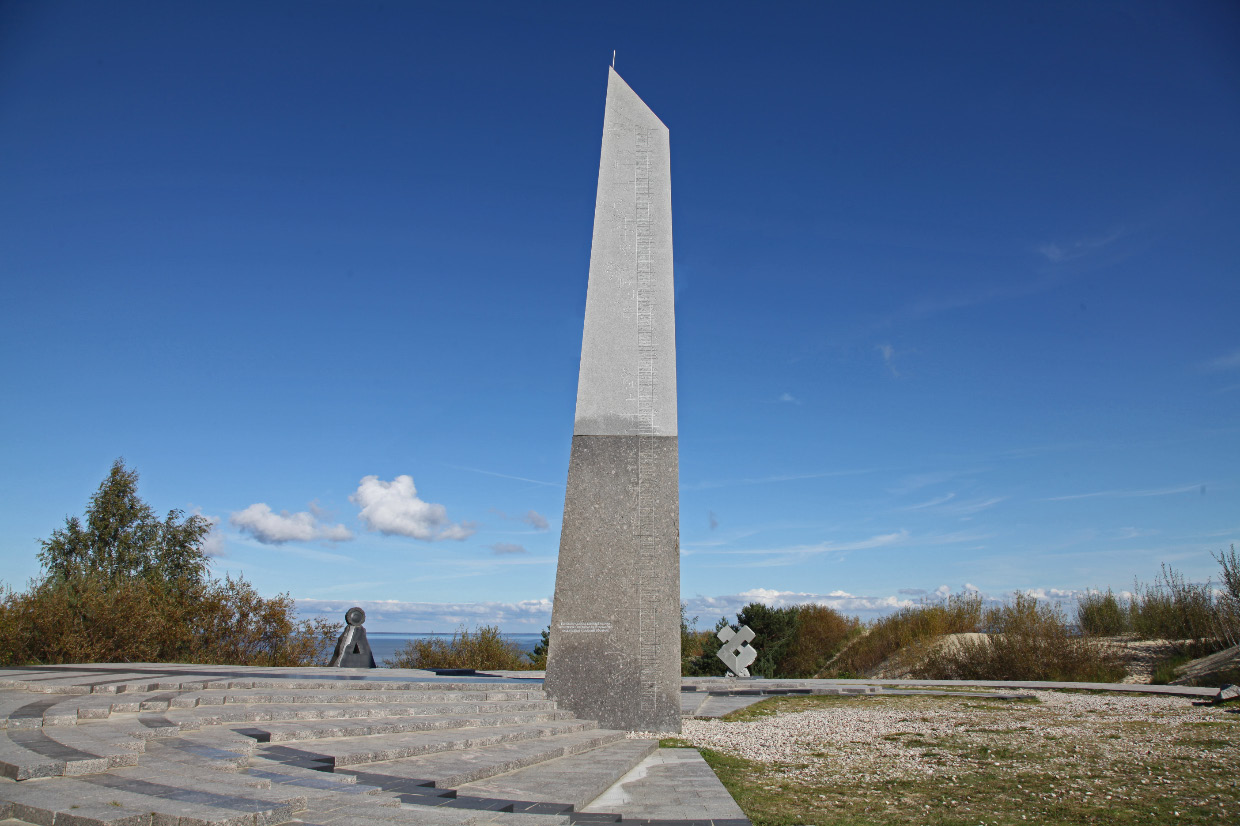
(1164, 672)
(674, 743)
(794, 703)
(789, 704)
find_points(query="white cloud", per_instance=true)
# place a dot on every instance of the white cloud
(1127, 494)
(788, 398)
(393, 508)
(535, 614)
(536, 520)
(270, 528)
(842, 601)
(394, 615)
(900, 538)
(975, 506)
(507, 476)
(508, 548)
(1060, 253)
(867, 607)
(767, 480)
(938, 500)
(1230, 361)
(213, 543)
(889, 358)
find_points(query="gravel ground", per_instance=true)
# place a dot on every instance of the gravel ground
(878, 739)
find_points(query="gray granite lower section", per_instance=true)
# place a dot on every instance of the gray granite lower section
(615, 623)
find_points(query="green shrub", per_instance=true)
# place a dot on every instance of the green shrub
(911, 629)
(774, 630)
(1027, 640)
(538, 657)
(696, 647)
(1102, 615)
(705, 662)
(483, 649)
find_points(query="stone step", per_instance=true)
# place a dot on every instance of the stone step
(354, 751)
(574, 779)
(131, 801)
(451, 769)
(89, 748)
(20, 710)
(29, 753)
(218, 715)
(218, 750)
(86, 682)
(365, 814)
(286, 696)
(288, 732)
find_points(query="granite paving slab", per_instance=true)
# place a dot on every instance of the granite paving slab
(451, 768)
(670, 784)
(292, 731)
(719, 705)
(387, 747)
(574, 779)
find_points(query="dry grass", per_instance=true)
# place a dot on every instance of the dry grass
(483, 649)
(820, 632)
(911, 631)
(1170, 608)
(1029, 640)
(1067, 759)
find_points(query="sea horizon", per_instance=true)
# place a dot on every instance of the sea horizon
(384, 644)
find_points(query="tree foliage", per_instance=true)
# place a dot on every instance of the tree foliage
(538, 657)
(121, 538)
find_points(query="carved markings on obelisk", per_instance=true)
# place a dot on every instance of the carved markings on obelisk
(646, 533)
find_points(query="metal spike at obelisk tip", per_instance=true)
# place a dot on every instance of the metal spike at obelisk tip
(615, 625)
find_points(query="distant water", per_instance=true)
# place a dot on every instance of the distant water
(385, 644)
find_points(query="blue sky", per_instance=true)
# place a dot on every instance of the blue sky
(957, 290)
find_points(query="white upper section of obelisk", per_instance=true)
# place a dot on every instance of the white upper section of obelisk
(627, 384)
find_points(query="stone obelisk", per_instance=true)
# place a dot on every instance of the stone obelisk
(615, 623)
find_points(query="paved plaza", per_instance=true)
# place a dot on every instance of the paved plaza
(169, 745)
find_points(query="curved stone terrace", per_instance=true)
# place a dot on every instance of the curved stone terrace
(188, 745)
